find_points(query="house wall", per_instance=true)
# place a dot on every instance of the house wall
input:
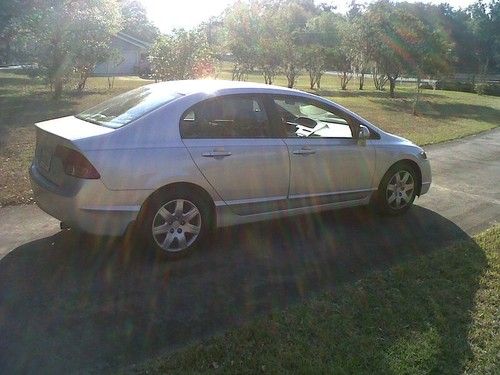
(127, 62)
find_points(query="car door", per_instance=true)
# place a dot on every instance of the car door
(327, 163)
(231, 142)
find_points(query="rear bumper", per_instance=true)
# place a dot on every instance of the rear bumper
(90, 206)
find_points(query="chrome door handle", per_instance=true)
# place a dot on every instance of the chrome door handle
(304, 151)
(216, 154)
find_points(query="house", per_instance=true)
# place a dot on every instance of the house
(129, 57)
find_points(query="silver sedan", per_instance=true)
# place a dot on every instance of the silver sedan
(173, 160)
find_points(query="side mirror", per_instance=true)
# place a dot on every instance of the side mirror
(364, 133)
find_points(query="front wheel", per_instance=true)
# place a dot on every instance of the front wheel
(175, 224)
(397, 190)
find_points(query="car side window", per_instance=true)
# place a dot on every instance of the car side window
(304, 118)
(232, 116)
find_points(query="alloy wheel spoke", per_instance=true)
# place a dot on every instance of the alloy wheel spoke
(408, 187)
(405, 197)
(164, 213)
(391, 198)
(179, 207)
(406, 175)
(190, 228)
(391, 187)
(169, 238)
(398, 201)
(190, 215)
(181, 238)
(160, 229)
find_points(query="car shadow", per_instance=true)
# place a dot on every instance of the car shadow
(70, 302)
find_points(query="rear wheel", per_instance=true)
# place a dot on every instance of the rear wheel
(397, 190)
(174, 224)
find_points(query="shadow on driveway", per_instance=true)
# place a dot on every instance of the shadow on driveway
(94, 304)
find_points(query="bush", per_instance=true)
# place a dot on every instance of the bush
(452, 85)
(426, 86)
(487, 88)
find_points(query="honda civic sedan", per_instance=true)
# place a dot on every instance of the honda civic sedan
(171, 161)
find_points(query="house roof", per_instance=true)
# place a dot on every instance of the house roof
(132, 40)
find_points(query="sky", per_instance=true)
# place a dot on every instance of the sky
(170, 14)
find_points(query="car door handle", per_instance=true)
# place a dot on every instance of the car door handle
(304, 151)
(216, 154)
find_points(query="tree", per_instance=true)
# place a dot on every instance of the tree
(9, 13)
(136, 22)
(401, 43)
(484, 24)
(346, 52)
(64, 34)
(358, 42)
(242, 23)
(214, 32)
(314, 61)
(181, 55)
(321, 40)
(290, 19)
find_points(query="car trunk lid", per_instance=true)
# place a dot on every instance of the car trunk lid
(65, 132)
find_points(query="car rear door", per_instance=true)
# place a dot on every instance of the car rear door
(232, 143)
(327, 163)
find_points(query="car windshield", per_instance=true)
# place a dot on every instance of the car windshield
(127, 107)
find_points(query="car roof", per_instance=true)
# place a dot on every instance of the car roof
(188, 87)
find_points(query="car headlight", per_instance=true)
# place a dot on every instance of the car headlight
(423, 155)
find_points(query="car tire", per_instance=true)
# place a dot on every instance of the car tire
(174, 224)
(397, 190)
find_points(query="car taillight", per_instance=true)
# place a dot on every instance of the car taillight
(75, 164)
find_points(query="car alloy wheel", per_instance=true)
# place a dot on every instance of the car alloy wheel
(176, 225)
(400, 190)
(397, 190)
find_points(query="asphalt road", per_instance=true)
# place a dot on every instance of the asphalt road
(80, 304)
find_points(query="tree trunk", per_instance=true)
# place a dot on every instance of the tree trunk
(83, 80)
(58, 87)
(311, 80)
(344, 80)
(417, 94)
(361, 81)
(392, 85)
(290, 75)
(379, 79)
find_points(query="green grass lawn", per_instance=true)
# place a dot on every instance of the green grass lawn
(435, 314)
(442, 115)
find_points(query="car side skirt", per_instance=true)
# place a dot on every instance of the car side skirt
(227, 217)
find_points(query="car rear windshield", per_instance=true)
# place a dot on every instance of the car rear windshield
(125, 108)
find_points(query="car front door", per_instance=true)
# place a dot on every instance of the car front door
(231, 142)
(327, 163)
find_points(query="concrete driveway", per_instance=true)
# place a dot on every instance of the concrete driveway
(73, 304)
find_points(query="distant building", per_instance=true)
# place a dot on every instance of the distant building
(129, 57)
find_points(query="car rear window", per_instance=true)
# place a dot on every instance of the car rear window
(125, 108)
